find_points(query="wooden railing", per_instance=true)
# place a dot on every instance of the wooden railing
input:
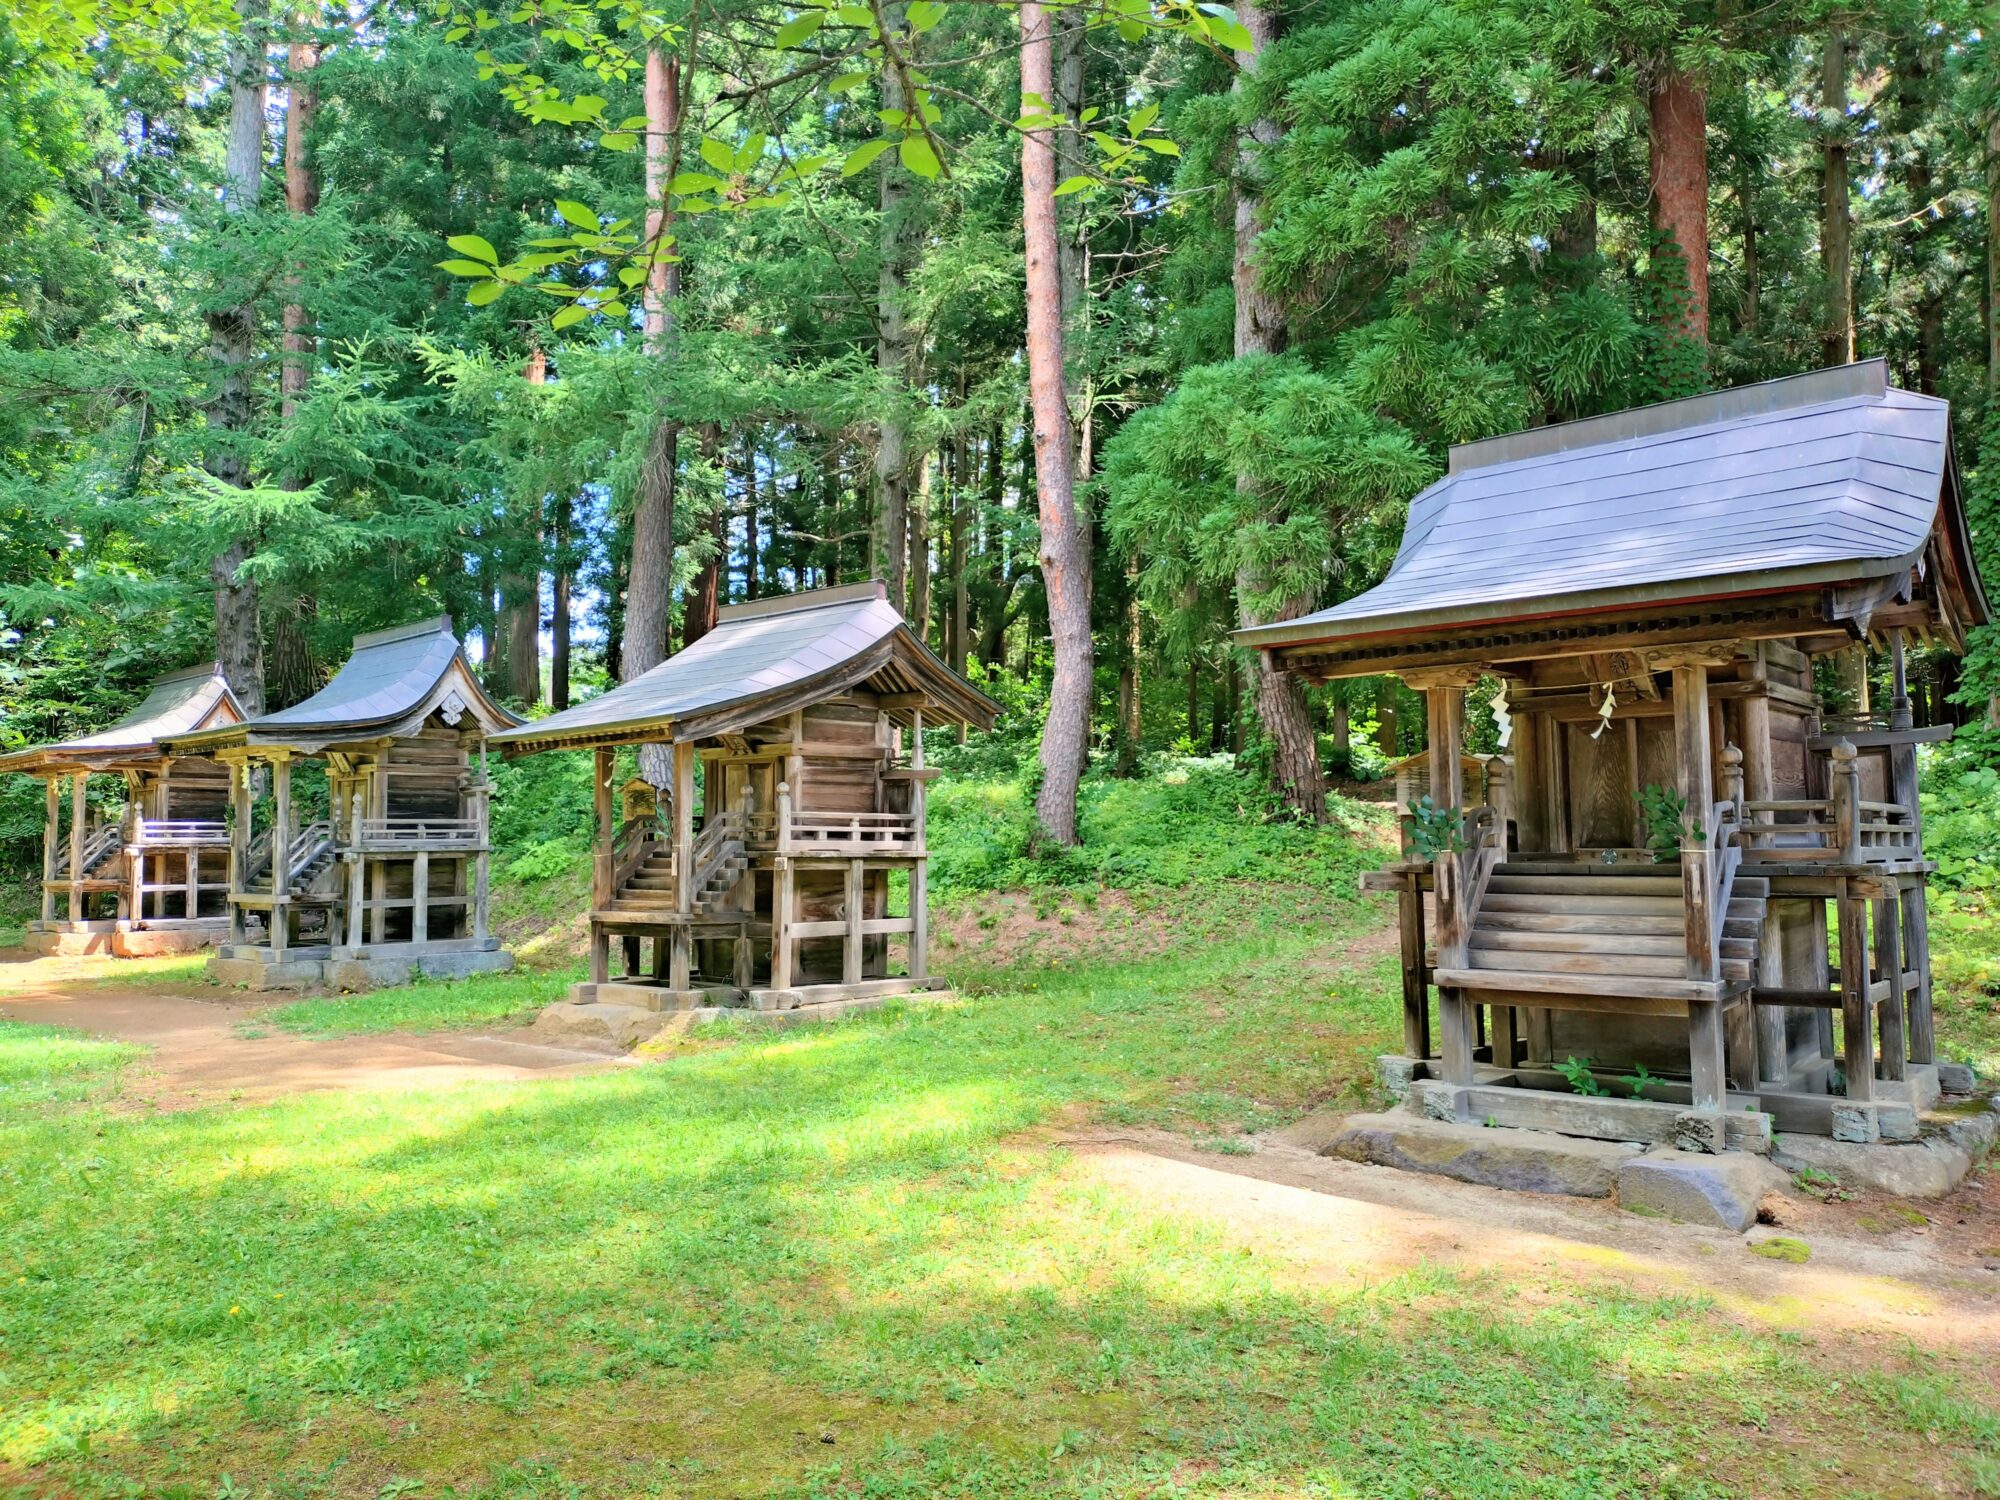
(812, 831)
(434, 833)
(1460, 877)
(151, 831)
(1845, 828)
(100, 841)
(632, 844)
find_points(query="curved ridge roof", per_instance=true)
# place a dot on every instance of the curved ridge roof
(390, 683)
(176, 704)
(1818, 478)
(762, 659)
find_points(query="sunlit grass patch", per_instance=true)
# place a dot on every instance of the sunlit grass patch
(426, 1005)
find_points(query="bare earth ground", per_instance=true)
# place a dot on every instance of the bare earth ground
(203, 1052)
(1922, 1273)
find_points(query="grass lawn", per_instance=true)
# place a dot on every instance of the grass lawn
(854, 1260)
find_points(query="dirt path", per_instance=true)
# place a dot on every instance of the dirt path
(199, 1057)
(1936, 1284)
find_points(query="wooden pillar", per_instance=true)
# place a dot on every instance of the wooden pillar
(191, 868)
(281, 854)
(79, 813)
(1917, 945)
(1889, 965)
(1416, 978)
(420, 897)
(1458, 1019)
(601, 894)
(1694, 779)
(136, 901)
(1705, 1054)
(1855, 1010)
(1529, 795)
(857, 907)
(378, 894)
(781, 909)
(681, 963)
(51, 836)
(1768, 1021)
(600, 953)
(239, 845)
(1847, 802)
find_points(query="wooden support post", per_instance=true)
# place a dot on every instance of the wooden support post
(601, 893)
(239, 845)
(681, 964)
(420, 897)
(191, 896)
(1847, 802)
(630, 956)
(1458, 1019)
(1705, 1055)
(79, 813)
(1891, 1018)
(1458, 1023)
(51, 836)
(1917, 945)
(1504, 1034)
(281, 855)
(781, 912)
(1416, 979)
(137, 899)
(482, 894)
(1529, 795)
(920, 919)
(857, 909)
(600, 953)
(1694, 778)
(378, 892)
(1855, 1010)
(1739, 1028)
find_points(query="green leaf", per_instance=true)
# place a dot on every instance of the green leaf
(1071, 185)
(485, 292)
(718, 155)
(800, 28)
(613, 309)
(618, 140)
(474, 246)
(1231, 33)
(856, 15)
(576, 312)
(843, 83)
(924, 14)
(1141, 117)
(917, 155)
(1162, 145)
(693, 182)
(860, 158)
(631, 275)
(576, 215)
(465, 268)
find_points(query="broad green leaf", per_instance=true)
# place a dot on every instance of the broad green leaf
(1231, 33)
(474, 246)
(924, 14)
(697, 205)
(1071, 185)
(551, 244)
(917, 155)
(576, 215)
(631, 275)
(1131, 31)
(576, 312)
(718, 155)
(855, 15)
(859, 159)
(845, 82)
(485, 292)
(613, 309)
(693, 182)
(618, 140)
(800, 28)
(1162, 145)
(465, 268)
(1141, 117)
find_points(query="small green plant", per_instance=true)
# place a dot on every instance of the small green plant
(1779, 1247)
(1823, 1185)
(1664, 811)
(1577, 1071)
(1639, 1080)
(1436, 830)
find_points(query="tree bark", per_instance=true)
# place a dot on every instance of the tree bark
(649, 588)
(1386, 739)
(1678, 161)
(1993, 252)
(1129, 732)
(239, 644)
(752, 493)
(559, 624)
(520, 626)
(895, 357)
(1836, 222)
(705, 598)
(920, 551)
(1260, 330)
(961, 483)
(1066, 733)
(1913, 73)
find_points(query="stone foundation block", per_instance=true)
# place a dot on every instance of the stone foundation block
(1720, 1191)
(1529, 1161)
(255, 974)
(160, 942)
(384, 968)
(1950, 1142)
(1854, 1123)
(1396, 1074)
(1956, 1078)
(1703, 1132)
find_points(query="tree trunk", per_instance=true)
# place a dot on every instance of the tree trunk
(520, 630)
(1386, 739)
(920, 551)
(564, 564)
(294, 671)
(1260, 330)
(1066, 733)
(649, 584)
(894, 356)
(1194, 699)
(1993, 252)
(705, 598)
(752, 493)
(239, 644)
(1129, 731)
(1753, 272)
(961, 483)
(1678, 160)
(1913, 73)
(1836, 237)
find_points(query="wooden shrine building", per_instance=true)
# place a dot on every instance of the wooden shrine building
(381, 873)
(1652, 589)
(769, 883)
(153, 880)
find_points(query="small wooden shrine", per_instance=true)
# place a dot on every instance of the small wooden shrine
(1651, 589)
(154, 879)
(381, 873)
(761, 873)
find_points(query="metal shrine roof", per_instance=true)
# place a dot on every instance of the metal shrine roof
(186, 700)
(393, 681)
(1814, 479)
(761, 660)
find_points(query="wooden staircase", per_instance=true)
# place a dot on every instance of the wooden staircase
(648, 891)
(1552, 927)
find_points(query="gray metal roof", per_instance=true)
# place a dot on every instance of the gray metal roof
(175, 704)
(393, 681)
(763, 659)
(1816, 478)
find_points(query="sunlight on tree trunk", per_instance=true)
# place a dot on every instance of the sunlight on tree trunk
(1836, 235)
(1678, 161)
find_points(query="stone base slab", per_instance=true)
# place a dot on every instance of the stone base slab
(1527, 1161)
(79, 943)
(1716, 1191)
(1949, 1143)
(384, 967)
(261, 974)
(160, 942)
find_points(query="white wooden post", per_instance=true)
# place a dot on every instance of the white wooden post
(51, 832)
(281, 854)
(136, 907)
(239, 845)
(79, 812)
(781, 895)
(850, 963)
(420, 897)
(681, 954)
